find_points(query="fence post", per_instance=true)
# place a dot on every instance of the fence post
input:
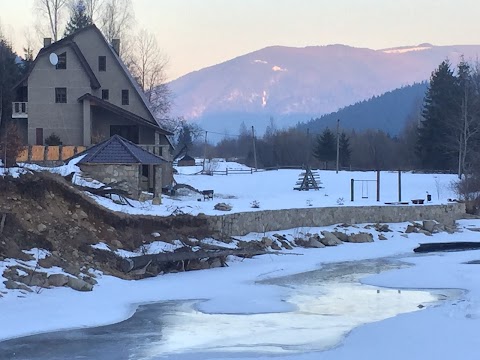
(352, 182)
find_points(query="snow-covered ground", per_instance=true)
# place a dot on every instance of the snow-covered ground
(446, 331)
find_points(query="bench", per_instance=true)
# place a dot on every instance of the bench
(207, 194)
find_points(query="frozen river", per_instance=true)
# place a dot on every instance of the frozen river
(326, 305)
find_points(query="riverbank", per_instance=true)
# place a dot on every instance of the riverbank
(442, 330)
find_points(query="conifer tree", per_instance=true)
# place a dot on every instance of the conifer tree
(78, 18)
(325, 147)
(440, 109)
(345, 151)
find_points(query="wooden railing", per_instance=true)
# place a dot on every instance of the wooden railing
(19, 109)
(40, 153)
(160, 150)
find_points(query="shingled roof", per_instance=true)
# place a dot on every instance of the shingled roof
(117, 150)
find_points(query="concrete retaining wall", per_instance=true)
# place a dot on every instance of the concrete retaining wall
(271, 220)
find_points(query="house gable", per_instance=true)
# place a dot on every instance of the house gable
(116, 76)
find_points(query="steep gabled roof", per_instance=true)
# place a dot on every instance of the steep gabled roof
(117, 150)
(95, 84)
(66, 41)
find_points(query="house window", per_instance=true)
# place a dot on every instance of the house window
(125, 100)
(61, 95)
(102, 63)
(105, 94)
(62, 61)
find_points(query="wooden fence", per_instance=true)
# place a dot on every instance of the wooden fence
(40, 153)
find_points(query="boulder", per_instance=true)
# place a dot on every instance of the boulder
(279, 237)
(425, 232)
(340, 235)
(330, 236)
(382, 228)
(12, 285)
(360, 238)
(41, 227)
(328, 241)
(78, 284)
(429, 225)
(117, 244)
(223, 207)
(382, 237)
(157, 200)
(313, 242)
(57, 280)
(411, 229)
(267, 241)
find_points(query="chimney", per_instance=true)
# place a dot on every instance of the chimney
(47, 42)
(116, 45)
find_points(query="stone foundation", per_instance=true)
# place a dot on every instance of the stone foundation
(129, 174)
(272, 220)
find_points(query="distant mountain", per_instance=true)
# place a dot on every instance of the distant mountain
(388, 112)
(297, 84)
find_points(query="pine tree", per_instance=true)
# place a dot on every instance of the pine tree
(345, 151)
(325, 147)
(9, 75)
(78, 18)
(440, 109)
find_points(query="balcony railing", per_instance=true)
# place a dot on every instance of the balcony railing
(20, 110)
(161, 150)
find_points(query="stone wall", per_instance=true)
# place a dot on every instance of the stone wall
(271, 220)
(114, 174)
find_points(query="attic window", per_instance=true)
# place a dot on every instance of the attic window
(62, 61)
(102, 63)
(125, 99)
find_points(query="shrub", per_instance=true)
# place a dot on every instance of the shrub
(10, 145)
(53, 140)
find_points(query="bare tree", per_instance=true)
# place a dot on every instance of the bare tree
(52, 10)
(92, 9)
(116, 19)
(148, 66)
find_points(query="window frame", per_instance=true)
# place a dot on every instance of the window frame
(102, 63)
(107, 93)
(62, 61)
(125, 97)
(60, 96)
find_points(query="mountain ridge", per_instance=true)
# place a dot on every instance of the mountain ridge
(297, 83)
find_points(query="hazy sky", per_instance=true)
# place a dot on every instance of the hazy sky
(199, 33)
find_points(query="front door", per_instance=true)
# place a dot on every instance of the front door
(39, 136)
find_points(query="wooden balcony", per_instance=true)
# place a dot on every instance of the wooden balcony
(161, 150)
(19, 110)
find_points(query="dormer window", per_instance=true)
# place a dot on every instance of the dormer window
(102, 63)
(62, 61)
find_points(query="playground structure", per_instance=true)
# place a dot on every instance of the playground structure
(365, 189)
(308, 180)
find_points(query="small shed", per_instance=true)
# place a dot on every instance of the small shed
(117, 160)
(186, 160)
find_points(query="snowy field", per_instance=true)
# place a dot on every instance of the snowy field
(446, 331)
(274, 189)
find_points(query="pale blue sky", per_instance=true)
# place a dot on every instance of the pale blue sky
(199, 33)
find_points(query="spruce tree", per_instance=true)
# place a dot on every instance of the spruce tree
(345, 151)
(325, 147)
(78, 18)
(440, 109)
(9, 76)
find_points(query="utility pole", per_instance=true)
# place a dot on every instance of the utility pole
(338, 143)
(308, 147)
(254, 149)
(204, 152)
